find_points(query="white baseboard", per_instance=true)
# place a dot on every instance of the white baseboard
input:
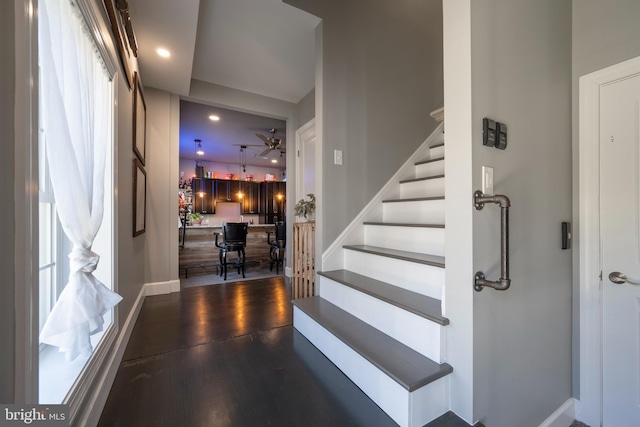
(161, 288)
(288, 271)
(563, 416)
(94, 404)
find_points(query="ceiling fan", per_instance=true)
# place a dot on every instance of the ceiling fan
(273, 143)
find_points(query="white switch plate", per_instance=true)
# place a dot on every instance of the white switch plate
(487, 180)
(337, 157)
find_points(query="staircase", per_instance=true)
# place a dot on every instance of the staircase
(379, 315)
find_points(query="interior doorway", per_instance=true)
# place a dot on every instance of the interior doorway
(232, 169)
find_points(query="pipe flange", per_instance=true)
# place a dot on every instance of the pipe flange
(478, 277)
(478, 204)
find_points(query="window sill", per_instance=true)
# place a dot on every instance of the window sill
(57, 376)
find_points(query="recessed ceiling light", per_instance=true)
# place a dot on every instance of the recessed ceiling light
(274, 161)
(214, 118)
(163, 52)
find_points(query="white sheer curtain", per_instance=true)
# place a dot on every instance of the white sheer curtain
(75, 92)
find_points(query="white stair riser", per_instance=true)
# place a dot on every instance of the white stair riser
(427, 403)
(413, 239)
(420, 212)
(416, 332)
(403, 407)
(422, 188)
(437, 152)
(430, 169)
(423, 279)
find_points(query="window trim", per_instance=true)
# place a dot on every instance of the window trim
(87, 390)
(26, 201)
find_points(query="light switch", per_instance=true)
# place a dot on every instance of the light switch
(487, 180)
(337, 157)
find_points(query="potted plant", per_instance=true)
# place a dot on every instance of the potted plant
(195, 218)
(306, 208)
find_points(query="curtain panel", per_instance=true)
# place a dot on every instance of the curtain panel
(75, 100)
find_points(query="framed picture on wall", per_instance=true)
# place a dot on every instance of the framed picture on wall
(139, 198)
(139, 120)
(120, 40)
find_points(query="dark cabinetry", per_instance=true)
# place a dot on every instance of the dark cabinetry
(203, 195)
(243, 192)
(226, 190)
(264, 198)
(251, 199)
(273, 201)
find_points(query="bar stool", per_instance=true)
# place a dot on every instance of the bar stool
(234, 239)
(277, 250)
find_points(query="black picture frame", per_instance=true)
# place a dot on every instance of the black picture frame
(139, 120)
(120, 40)
(139, 198)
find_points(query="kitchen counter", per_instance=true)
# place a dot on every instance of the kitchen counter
(200, 255)
(211, 227)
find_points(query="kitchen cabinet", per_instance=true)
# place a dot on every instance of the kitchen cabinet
(222, 190)
(244, 192)
(251, 200)
(203, 195)
(227, 190)
(273, 201)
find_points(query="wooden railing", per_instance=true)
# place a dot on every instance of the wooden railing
(304, 260)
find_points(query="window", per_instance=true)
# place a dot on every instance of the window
(76, 209)
(49, 233)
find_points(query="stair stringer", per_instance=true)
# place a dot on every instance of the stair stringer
(333, 257)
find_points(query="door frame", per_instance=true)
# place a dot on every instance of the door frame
(589, 405)
(304, 133)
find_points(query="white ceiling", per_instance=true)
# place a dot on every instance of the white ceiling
(260, 46)
(172, 25)
(221, 140)
(264, 47)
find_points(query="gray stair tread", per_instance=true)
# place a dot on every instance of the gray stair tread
(440, 144)
(421, 305)
(406, 366)
(423, 162)
(414, 199)
(419, 258)
(450, 419)
(404, 181)
(402, 224)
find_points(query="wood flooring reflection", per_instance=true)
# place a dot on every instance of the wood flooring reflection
(209, 313)
(228, 355)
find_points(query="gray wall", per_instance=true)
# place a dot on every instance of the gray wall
(131, 251)
(161, 256)
(604, 34)
(521, 75)
(306, 108)
(7, 235)
(382, 67)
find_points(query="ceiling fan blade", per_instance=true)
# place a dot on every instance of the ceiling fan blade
(265, 152)
(264, 138)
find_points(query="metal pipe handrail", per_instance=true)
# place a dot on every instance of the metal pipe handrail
(502, 284)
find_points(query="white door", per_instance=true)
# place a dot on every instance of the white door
(620, 251)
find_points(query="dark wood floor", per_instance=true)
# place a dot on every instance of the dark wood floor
(228, 355)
